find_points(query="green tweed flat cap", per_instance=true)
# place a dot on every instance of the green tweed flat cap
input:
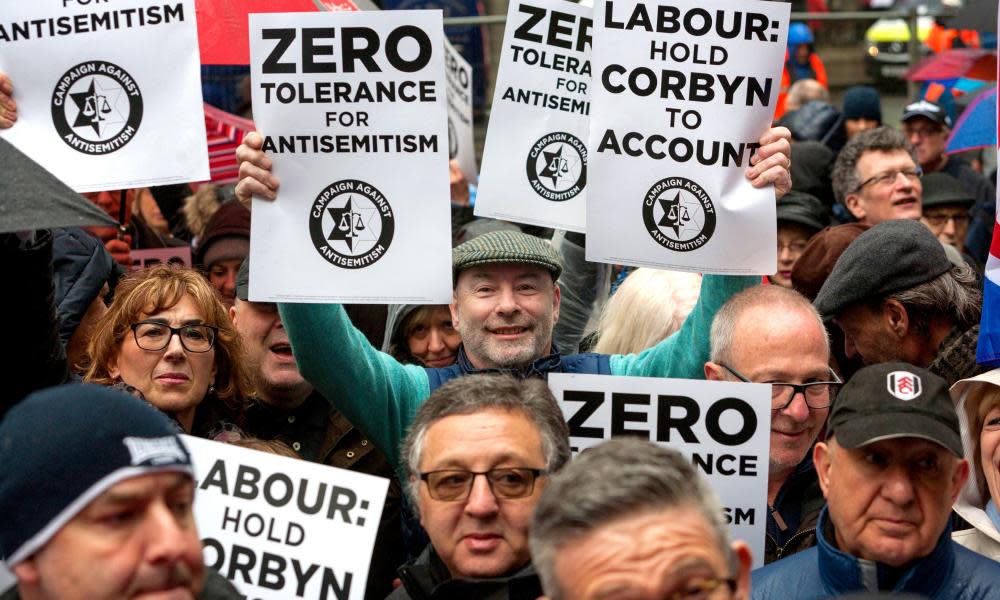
(505, 247)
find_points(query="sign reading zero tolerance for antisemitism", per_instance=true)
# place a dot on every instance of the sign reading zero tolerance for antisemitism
(722, 427)
(109, 93)
(535, 158)
(683, 90)
(352, 109)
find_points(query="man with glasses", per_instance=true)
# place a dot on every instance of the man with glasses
(630, 519)
(946, 209)
(876, 177)
(770, 334)
(478, 455)
(927, 126)
(896, 296)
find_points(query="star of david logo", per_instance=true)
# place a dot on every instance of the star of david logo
(97, 106)
(350, 225)
(555, 166)
(678, 215)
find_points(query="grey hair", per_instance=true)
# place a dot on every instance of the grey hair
(617, 479)
(476, 393)
(722, 338)
(953, 295)
(844, 177)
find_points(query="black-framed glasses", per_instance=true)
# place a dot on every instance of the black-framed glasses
(701, 589)
(817, 394)
(889, 177)
(941, 220)
(155, 336)
(453, 485)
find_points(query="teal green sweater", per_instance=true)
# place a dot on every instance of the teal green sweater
(380, 396)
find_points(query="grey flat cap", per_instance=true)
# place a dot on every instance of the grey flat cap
(889, 257)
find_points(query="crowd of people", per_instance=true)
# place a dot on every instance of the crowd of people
(884, 456)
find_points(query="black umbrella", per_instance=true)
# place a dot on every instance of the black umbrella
(980, 15)
(32, 198)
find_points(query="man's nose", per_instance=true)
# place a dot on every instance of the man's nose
(481, 502)
(898, 487)
(798, 409)
(167, 533)
(506, 300)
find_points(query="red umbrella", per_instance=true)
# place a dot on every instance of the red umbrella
(225, 133)
(223, 28)
(971, 63)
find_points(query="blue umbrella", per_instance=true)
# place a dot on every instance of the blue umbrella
(977, 127)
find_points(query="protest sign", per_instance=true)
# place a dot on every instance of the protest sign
(352, 107)
(461, 142)
(109, 94)
(282, 528)
(174, 255)
(535, 159)
(683, 90)
(723, 427)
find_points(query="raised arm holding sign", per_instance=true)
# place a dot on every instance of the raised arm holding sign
(504, 306)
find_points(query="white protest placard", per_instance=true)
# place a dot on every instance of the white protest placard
(281, 528)
(108, 93)
(352, 106)
(147, 257)
(723, 427)
(535, 159)
(461, 140)
(683, 90)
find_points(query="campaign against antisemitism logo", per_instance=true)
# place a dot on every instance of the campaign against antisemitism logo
(557, 166)
(904, 385)
(678, 214)
(96, 107)
(351, 224)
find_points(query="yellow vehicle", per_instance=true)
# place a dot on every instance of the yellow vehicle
(886, 41)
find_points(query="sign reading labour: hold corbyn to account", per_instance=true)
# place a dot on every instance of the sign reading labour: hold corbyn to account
(109, 93)
(352, 109)
(683, 90)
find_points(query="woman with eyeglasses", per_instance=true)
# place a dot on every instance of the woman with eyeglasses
(168, 337)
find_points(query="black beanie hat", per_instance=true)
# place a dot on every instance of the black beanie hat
(862, 102)
(62, 447)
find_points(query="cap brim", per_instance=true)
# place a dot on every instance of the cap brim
(864, 430)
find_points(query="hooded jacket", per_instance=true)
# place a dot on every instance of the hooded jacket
(81, 266)
(983, 537)
(949, 572)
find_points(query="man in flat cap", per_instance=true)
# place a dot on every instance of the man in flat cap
(890, 469)
(896, 296)
(96, 492)
(946, 209)
(505, 304)
(927, 126)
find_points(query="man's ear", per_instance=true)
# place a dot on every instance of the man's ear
(821, 460)
(855, 205)
(744, 558)
(232, 314)
(714, 372)
(26, 572)
(896, 317)
(959, 478)
(556, 298)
